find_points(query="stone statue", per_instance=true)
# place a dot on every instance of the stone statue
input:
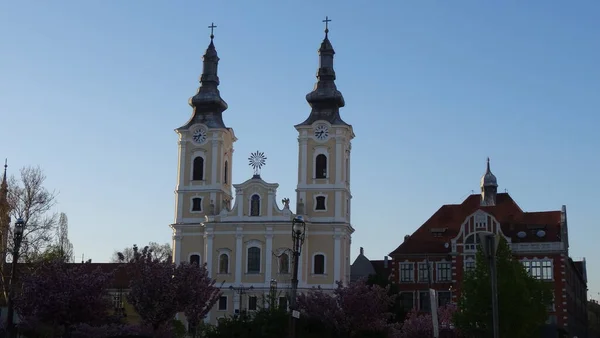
(286, 203)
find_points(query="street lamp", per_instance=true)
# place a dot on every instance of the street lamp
(17, 238)
(273, 295)
(298, 232)
(489, 244)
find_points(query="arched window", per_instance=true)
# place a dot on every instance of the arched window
(321, 166)
(225, 172)
(198, 169)
(253, 260)
(223, 263)
(284, 263)
(255, 205)
(319, 264)
(195, 259)
(320, 203)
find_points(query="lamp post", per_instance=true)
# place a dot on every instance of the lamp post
(18, 237)
(273, 295)
(489, 242)
(298, 232)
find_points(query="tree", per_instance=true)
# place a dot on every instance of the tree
(28, 198)
(161, 252)
(160, 289)
(196, 292)
(354, 309)
(523, 299)
(420, 325)
(64, 245)
(31, 201)
(61, 250)
(56, 296)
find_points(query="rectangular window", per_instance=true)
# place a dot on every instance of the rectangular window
(425, 270)
(407, 272)
(252, 303)
(535, 269)
(253, 260)
(424, 303)
(197, 204)
(223, 303)
(407, 300)
(320, 203)
(547, 270)
(283, 303)
(444, 297)
(444, 271)
(469, 265)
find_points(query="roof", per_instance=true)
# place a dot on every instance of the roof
(361, 267)
(448, 219)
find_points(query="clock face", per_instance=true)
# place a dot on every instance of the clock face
(321, 132)
(199, 135)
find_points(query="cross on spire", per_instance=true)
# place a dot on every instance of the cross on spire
(326, 21)
(212, 27)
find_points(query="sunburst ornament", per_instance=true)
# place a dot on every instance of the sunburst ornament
(257, 160)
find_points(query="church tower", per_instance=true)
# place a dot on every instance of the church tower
(205, 152)
(323, 190)
(4, 212)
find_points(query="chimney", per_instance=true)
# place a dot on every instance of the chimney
(385, 262)
(362, 251)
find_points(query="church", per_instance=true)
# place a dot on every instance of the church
(245, 239)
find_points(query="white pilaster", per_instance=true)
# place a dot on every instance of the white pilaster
(338, 205)
(268, 255)
(177, 248)
(238, 255)
(208, 250)
(303, 157)
(215, 159)
(339, 155)
(270, 199)
(337, 256)
(239, 200)
(181, 167)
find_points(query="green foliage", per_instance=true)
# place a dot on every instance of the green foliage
(179, 329)
(522, 300)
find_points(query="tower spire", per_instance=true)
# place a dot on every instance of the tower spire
(207, 103)
(489, 187)
(325, 99)
(4, 184)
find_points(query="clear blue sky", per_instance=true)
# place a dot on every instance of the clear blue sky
(92, 90)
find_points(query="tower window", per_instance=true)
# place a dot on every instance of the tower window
(195, 259)
(198, 169)
(255, 205)
(225, 172)
(321, 166)
(254, 260)
(320, 205)
(319, 264)
(196, 204)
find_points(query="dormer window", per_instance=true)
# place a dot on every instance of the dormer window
(438, 232)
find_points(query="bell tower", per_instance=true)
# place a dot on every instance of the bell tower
(323, 190)
(205, 150)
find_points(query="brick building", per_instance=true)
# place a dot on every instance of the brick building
(445, 246)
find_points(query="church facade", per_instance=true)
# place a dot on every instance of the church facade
(241, 231)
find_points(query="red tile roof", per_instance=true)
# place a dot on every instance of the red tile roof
(450, 217)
